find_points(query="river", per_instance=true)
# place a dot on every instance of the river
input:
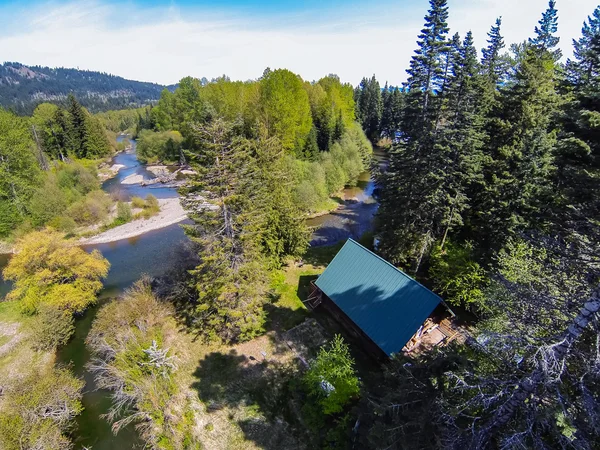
(153, 254)
(356, 215)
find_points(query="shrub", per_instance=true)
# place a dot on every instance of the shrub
(63, 223)
(123, 212)
(152, 202)
(53, 328)
(457, 276)
(47, 202)
(38, 410)
(48, 270)
(138, 202)
(331, 378)
(92, 209)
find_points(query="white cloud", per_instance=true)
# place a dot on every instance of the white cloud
(164, 45)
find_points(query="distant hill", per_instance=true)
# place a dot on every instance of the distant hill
(22, 88)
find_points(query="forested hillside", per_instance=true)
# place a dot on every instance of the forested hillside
(22, 88)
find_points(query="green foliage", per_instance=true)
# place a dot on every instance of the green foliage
(122, 120)
(150, 207)
(231, 280)
(134, 343)
(332, 378)
(155, 146)
(332, 170)
(19, 171)
(124, 212)
(137, 202)
(91, 209)
(369, 107)
(50, 270)
(53, 328)
(457, 276)
(38, 411)
(285, 109)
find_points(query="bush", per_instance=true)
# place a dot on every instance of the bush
(47, 202)
(457, 276)
(331, 378)
(153, 146)
(152, 202)
(123, 212)
(92, 209)
(138, 202)
(48, 270)
(38, 410)
(53, 328)
(63, 223)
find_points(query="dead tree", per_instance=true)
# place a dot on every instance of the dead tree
(550, 366)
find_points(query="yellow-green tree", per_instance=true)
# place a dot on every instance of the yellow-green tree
(285, 109)
(52, 271)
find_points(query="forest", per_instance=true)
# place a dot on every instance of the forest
(23, 87)
(490, 198)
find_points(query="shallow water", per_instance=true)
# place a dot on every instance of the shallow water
(355, 216)
(124, 192)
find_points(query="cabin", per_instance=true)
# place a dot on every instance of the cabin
(379, 305)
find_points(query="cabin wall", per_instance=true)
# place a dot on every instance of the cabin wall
(361, 338)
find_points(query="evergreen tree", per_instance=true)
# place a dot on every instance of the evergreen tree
(545, 40)
(491, 62)
(391, 117)
(584, 70)
(76, 129)
(427, 69)
(231, 279)
(520, 144)
(414, 197)
(369, 106)
(283, 231)
(578, 148)
(464, 136)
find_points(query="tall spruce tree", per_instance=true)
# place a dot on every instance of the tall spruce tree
(491, 61)
(369, 107)
(231, 277)
(76, 130)
(520, 144)
(414, 195)
(391, 116)
(464, 134)
(584, 70)
(578, 149)
(545, 39)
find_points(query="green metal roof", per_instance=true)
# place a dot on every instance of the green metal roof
(388, 305)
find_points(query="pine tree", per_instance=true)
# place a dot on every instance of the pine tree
(414, 198)
(545, 41)
(231, 278)
(76, 130)
(578, 148)
(369, 107)
(490, 62)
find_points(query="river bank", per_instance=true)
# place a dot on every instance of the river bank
(171, 212)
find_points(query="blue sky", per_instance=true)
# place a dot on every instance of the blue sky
(163, 41)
